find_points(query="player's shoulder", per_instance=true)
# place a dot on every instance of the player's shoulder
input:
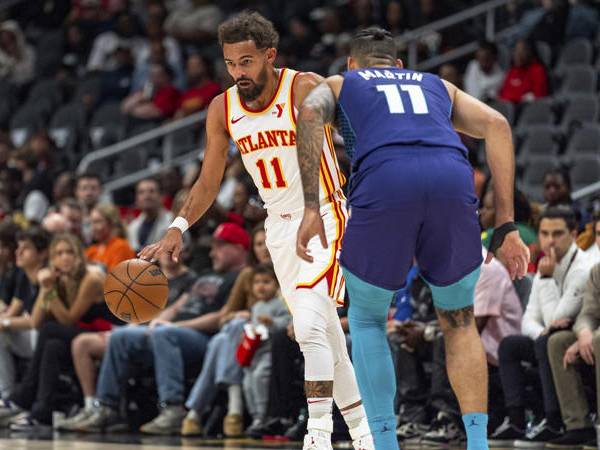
(216, 109)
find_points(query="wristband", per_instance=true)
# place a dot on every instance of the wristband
(499, 235)
(181, 224)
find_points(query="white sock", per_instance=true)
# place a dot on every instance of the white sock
(353, 416)
(319, 407)
(236, 405)
(89, 403)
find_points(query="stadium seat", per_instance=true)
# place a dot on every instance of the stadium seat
(541, 140)
(46, 89)
(579, 79)
(538, 112)
(585, 171)
(577, 51)
(106, 126)
(66, 128)
(585, 141)
(24, 123)
(580, 109)
(507, 109)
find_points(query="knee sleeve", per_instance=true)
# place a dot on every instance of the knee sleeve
(457, 295)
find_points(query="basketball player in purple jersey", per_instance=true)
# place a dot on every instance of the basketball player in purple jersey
(411, 195)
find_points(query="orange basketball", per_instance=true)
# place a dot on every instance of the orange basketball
(136, 291)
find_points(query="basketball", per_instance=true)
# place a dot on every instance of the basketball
(136, 291)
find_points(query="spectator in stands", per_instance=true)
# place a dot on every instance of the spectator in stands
(170, 183)
(154, 219)
(19, 291)
(158, 99)
(450, 72)
(172, 52)
(396, 21)
(55, 223)
(270, 311)
(594, 251)
(17, 58)
(526, 79)
(64, 187)
(87, 192)
(194, 21)
(522, 208)
(219, 367)
(555, 299)
(44, 149)
(551, 26)
(557, 191)
(76, 47)
(116, 82)
(583, 20)
(11, 183)
(157, 54)
(6, 149)
(483, 76)
(102, 56)
(71, 210)
(201, 86)
(70, 302)
(89, 348)
(109, 236)
(34, 197)
(8, 270)
(572, 354)
(177, 339)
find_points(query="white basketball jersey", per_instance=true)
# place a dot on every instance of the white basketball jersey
(266, 138)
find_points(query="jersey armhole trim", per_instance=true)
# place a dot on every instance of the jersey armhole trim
(292, 106)
(227, 109)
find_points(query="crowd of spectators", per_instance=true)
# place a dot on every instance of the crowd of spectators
(60, 235)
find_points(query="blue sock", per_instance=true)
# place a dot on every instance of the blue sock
(371, 356)
(476, 428)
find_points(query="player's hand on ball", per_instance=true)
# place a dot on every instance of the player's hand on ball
(514, 254)
(170, 244)
(311, 225)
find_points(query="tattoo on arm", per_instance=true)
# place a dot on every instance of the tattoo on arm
(317, 110)
(316, 389)
(459, 318)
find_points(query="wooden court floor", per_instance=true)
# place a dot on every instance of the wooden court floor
(55, 441)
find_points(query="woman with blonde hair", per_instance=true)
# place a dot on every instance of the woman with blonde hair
(109, 235)
(70, 301)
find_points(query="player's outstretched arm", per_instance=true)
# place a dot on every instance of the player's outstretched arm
(317, 110)
(205, 189)
(475, 118)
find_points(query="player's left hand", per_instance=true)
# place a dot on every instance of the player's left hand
(311, 225)
(514, 254)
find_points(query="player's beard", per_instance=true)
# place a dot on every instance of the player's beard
(252, 92)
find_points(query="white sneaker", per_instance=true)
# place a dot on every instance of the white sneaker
(318, 434)
(317, 440)
(361, 436)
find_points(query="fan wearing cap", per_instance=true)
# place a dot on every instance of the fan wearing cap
(176, 339)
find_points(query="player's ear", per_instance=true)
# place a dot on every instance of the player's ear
(351, 63)
(271, 55)
(399, 63)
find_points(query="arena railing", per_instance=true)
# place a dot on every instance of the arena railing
(166, 133)
(486, 11)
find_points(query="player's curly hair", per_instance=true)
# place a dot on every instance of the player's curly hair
(249, 26)
(373, 44)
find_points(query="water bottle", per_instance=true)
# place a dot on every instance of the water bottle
(403, 305)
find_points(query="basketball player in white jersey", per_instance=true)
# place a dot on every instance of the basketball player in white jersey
(259, 114)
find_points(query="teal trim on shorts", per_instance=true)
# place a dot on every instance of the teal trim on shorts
(458, 295)
(365, 291)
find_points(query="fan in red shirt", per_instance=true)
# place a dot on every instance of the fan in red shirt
(159, 98)
(201, 87)
(526, 79)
